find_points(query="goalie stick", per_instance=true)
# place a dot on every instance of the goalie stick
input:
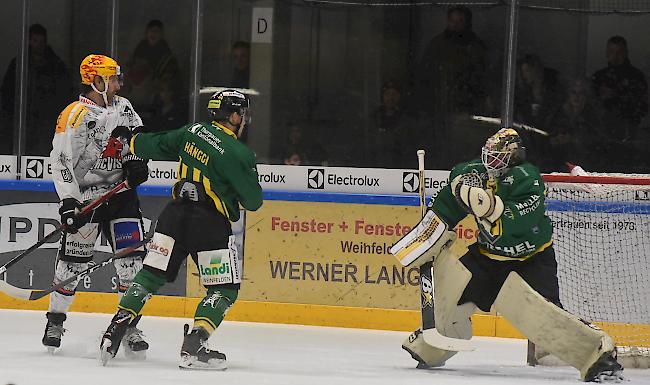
(32, 295)
(84, 211)
(429, 332)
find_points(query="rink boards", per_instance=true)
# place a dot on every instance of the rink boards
(314, 257)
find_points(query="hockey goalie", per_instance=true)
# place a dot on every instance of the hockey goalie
(511, 267)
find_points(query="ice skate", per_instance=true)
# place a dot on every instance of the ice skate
(53, 331)
(135, 347)
(196, 355)
(606, 369)
(110, 343)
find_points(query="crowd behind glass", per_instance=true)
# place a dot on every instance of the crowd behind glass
(597, 120)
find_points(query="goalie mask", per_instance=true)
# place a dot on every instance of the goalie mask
(222, 104)
(502, 151)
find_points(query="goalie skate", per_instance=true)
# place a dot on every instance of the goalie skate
(606, 369)
(196, 355)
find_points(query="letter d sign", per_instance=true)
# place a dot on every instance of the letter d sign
(262, 25)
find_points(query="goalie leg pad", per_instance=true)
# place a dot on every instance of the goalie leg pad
(424, 242)
(450, 278)
(575, 341)
(427, 355)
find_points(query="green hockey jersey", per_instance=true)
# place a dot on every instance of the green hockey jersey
(523, 230)
(212, 155)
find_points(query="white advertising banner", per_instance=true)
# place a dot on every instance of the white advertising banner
(25, 224)
(275, 177)
(8, 168)
(324, 179)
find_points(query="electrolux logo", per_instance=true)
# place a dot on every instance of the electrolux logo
(316, 178)
(410, 181)
(34, 168)
(272, 178)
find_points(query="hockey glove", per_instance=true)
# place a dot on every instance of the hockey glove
(480, 202)
(135, 170)
(68, 211)
(125, 133)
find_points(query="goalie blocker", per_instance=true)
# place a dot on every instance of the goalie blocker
(424, 242)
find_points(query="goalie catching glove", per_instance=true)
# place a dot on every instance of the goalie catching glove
(424, 242)
(480, 202)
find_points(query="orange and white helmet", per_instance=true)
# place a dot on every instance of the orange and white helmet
(102, 66)
(98, 65)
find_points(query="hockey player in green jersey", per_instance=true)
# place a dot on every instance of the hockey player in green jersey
(217, 173)
(511, 266)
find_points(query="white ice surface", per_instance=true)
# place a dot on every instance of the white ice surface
(259, 354)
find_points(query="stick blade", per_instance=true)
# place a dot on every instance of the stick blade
(15, 292)
(435, 339)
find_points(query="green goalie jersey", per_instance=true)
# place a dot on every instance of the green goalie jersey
(523, 230)
(212, 155)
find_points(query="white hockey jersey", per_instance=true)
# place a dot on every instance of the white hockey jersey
(86, 161)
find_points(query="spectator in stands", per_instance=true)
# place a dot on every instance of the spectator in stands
(451, 72)
(152, 63)
(622, 91)
(168, 113)
(49, 86)
(241, 54)
(538, 91)
(575, 131)
(297, 147)
(293, 159)
(386, 142)
(538, 94)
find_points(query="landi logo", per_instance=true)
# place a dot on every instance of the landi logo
(215, 267)
(316, 178)
(410, 181)
(34, 168)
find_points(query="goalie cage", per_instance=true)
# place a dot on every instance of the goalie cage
(602, 244)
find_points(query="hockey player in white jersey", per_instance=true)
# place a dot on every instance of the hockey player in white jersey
(89, 157)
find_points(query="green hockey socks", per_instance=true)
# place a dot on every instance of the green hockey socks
(212, 309)
(145, 284)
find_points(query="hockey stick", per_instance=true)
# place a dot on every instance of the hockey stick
(429, 332)
(245, 91)
(426, 284)
(516, 125)
(32, 295)
(84, 211)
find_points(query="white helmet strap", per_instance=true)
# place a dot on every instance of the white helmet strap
(102, 93)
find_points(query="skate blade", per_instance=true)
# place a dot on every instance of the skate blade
(51, 350)
(187, 363)
(612, 377)
(104, 354)
(133, 355)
